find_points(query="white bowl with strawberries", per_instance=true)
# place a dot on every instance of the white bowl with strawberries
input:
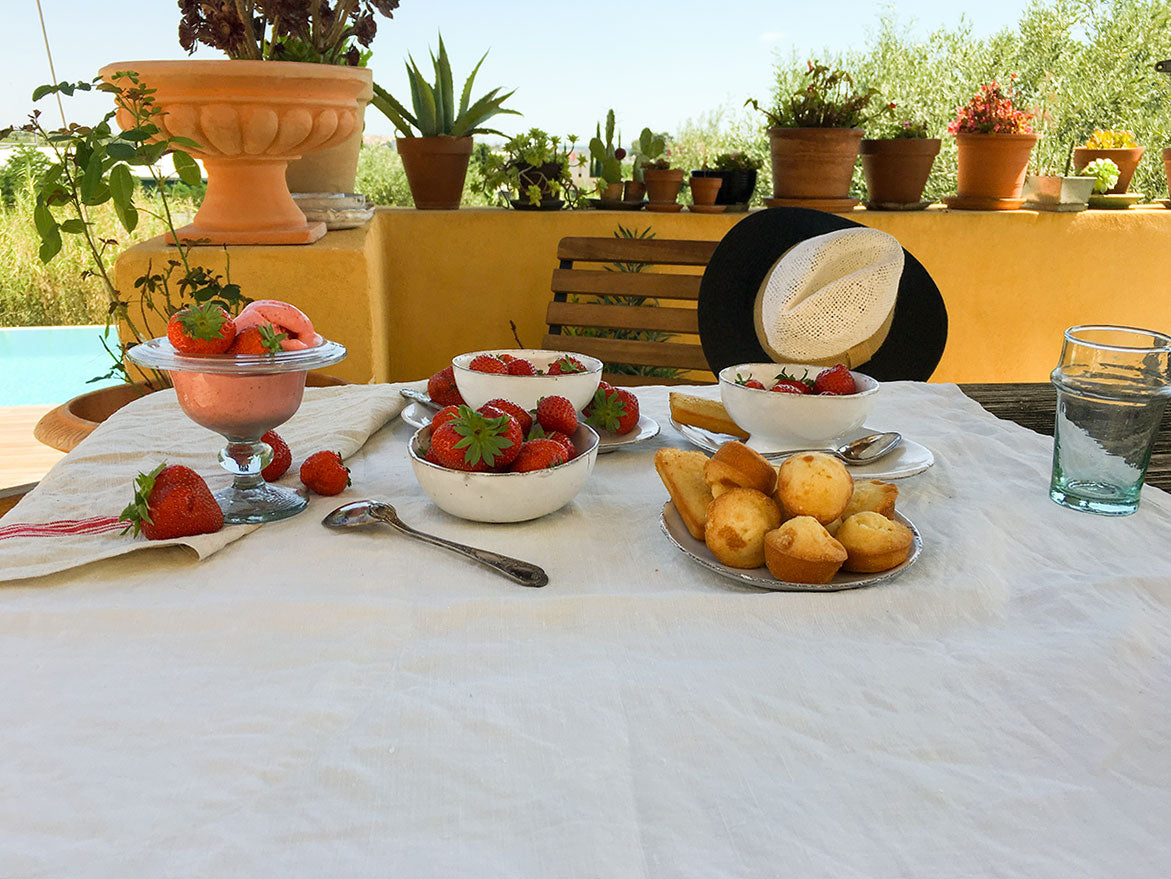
(795, 405)
(525, 375)
(501, 462)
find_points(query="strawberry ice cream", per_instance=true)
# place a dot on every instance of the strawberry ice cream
(240, 407)
(284, 318)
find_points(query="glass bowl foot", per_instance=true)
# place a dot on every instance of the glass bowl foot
(260, 503)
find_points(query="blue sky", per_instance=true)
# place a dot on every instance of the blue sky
(568, 62)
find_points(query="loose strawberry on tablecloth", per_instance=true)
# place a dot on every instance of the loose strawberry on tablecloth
(442, 390)
(324, 473)
(201, 329)
(172, 502)
(557, 413)
(565, 366)
(282, 458)
(613, 409)
(475, 441)
(835, 380)
(261, 339)
(539, 454)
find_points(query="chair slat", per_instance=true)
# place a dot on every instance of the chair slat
(651, 285)
(623, 317)
(673, 354)
(677, 252)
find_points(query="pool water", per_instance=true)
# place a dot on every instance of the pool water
(49, 365)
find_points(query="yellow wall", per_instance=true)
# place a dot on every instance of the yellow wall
(413, 288)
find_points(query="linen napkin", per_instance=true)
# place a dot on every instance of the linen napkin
(94, 482)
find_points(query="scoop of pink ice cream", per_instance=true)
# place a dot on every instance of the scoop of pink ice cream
(285, 318)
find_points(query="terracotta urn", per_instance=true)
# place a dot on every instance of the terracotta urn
(436, 168)
(662, 188)
(813, 163)
(897, 169)
(991, 170)
(1126, 159)
(250, 119)
(705, 189)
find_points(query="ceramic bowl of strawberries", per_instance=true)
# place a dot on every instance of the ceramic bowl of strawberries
(796, 405)
(525, 375)
(501, 462)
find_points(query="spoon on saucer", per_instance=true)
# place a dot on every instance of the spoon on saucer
(359, 513)
(857, 453)
(420, 398)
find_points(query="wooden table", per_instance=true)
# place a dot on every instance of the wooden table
(1035, 405)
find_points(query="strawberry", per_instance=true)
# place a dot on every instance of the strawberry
(520, 366)
(505, 358)
(566, 442)
(281, 457)
(261, 339)
(566, 365)
(477, 441)
(201, 329)
(172, 502)
(523, 417)
(557, 413)
(614, 410)
(487, 363)
(538, 454)
(836, 380)
(442, 390)
(749, 382)
(790, 386)
(443, 416)
(324, 473)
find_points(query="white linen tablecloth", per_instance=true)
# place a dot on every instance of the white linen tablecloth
(309, 703)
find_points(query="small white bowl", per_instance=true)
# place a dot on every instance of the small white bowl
(777, 422)
(477, 388)
(504, 497)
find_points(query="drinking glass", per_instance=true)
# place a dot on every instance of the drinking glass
(1112, 386)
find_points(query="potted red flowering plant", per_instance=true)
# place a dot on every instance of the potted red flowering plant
(896, 165)
(994, 140)
(814, 138)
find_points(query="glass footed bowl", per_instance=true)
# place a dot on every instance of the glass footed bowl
(241, 397)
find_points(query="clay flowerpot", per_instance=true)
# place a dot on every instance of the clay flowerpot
(897, 169)
(705, 189)
(736, 186)
(250, 119)
(436, 168)
(611, 192)
(333, 169)
(633, 190)
(991, 170)
(662, 188)
(1126, 159)
(813, 163)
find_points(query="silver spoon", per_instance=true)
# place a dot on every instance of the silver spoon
(360, 513)
(421, 398)
(864, 450)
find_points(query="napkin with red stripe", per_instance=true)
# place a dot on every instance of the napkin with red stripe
(71, 517)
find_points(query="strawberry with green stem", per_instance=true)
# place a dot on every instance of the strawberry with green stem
(202, 328)
(614, 410)
(172, 502)
(475, 441)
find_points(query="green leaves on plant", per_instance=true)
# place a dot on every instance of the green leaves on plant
(187, 168)
(47, 228)
(122, 190)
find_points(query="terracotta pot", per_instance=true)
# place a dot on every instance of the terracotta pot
(633, 190)
(1126, 159)
(436, 168)
(897, 169)
(705, 189)
(250, 119)
(737, 186)
(813, 162)
(611, 192)
(67, 425)
(993, 166)
(662, 186)
(333, 169)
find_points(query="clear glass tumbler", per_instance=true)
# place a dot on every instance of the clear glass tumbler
(1112, 386)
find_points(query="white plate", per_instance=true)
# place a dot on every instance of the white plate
(417, 415)
(672, 524)
(907, 460)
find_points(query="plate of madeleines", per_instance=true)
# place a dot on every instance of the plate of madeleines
(805, 525)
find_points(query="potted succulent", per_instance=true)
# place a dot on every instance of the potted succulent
(1049, 190)
(606, 164)
(1105, 173)
(1119, 147)
(662, 181)
(436, 160)
(814, 139)
(536, 166)
(737, 173)
(994, 140)
(896, 165)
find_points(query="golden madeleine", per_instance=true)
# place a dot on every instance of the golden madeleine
(737, 521)
(873, 542)
(814, 484)
(802, 551)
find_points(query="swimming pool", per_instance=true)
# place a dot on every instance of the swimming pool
(43, 365)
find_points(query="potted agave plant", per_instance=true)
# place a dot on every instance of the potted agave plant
(1119, 147)
(736, 172)
(814, 139)
(535, 166)
(994, 140)
(896, 165)
(436, 159)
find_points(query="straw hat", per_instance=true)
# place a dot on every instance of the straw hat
(793, 285)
